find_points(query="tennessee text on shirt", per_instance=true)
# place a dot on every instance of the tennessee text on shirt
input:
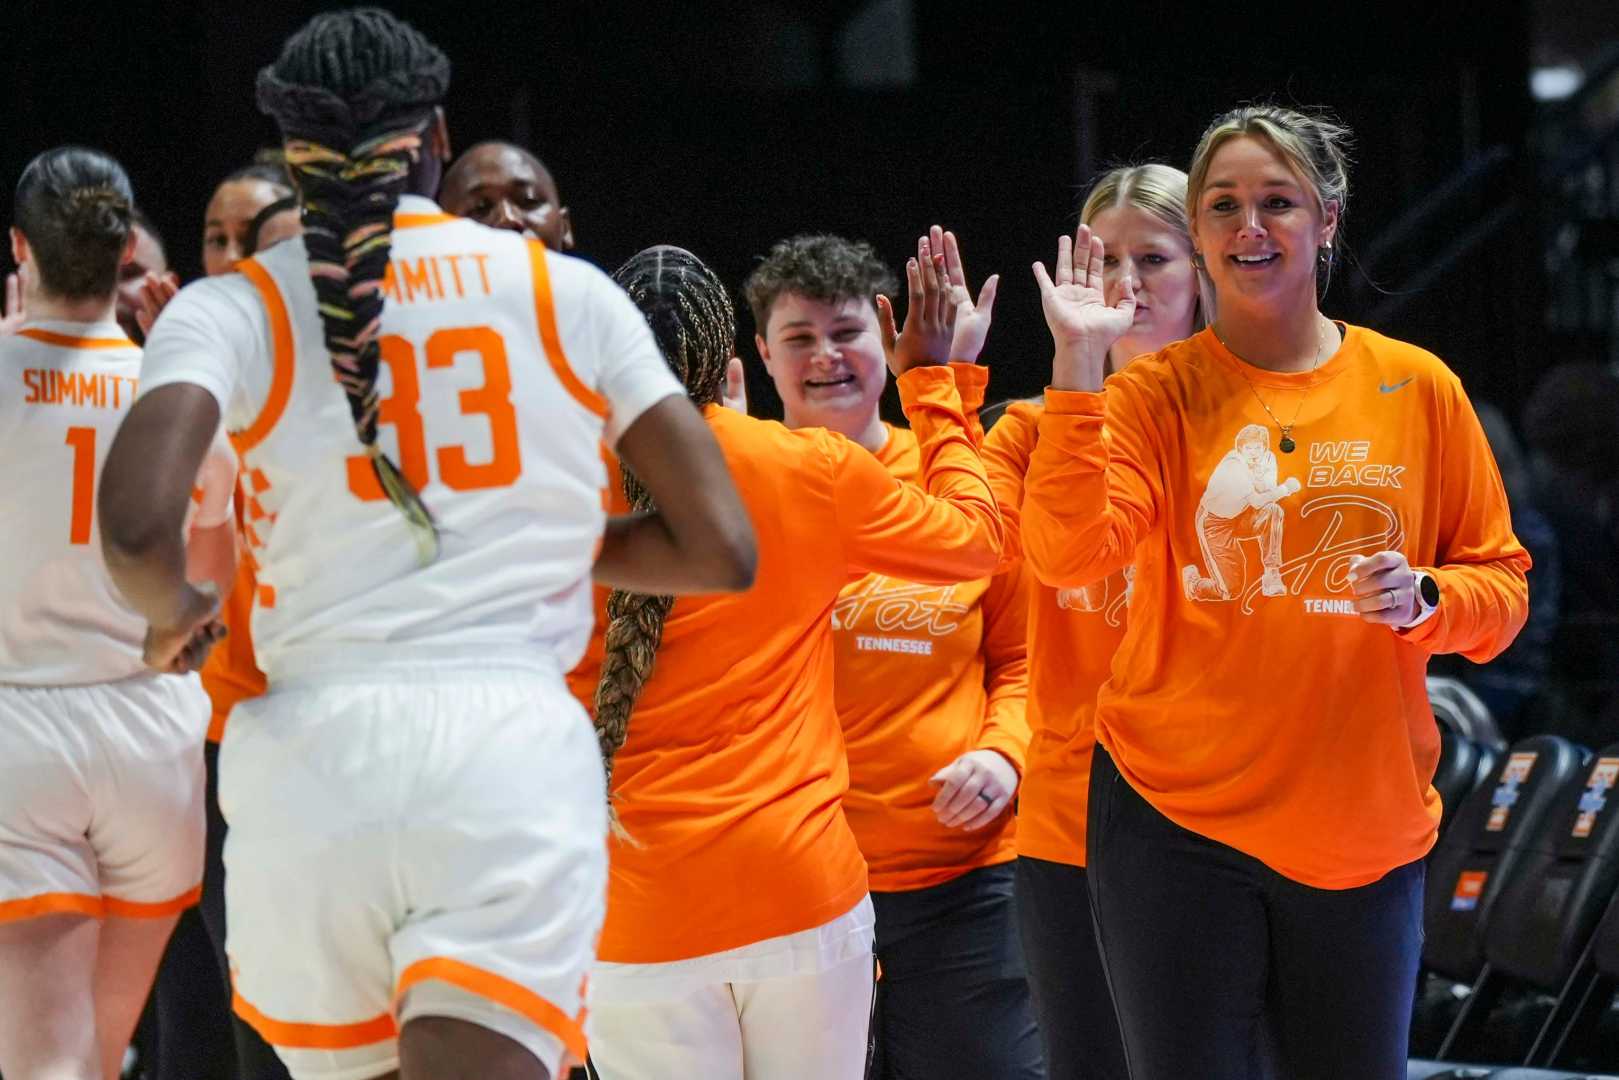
(437, 277)
(47, 386)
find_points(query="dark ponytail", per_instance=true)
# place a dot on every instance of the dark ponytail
(354, 93)
(75, 207)
(693, 319)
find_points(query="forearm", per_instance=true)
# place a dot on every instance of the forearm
(1482, 607)
(1073, 534)
(638, 551)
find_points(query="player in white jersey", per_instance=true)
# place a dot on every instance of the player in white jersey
(101, 778)
(415, 869)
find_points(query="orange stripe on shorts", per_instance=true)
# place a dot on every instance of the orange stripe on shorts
(315, 1036)
(502, 991)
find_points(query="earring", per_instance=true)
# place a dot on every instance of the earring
(1197, 260)
(1323, 255)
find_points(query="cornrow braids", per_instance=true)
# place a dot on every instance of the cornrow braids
(691, 316)
(354, 94)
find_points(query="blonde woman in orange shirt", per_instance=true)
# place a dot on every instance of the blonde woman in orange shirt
(931, 680)
(1139, 213)
(738, 940)
(1261, 797)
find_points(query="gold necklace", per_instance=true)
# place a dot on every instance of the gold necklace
(1286, 444)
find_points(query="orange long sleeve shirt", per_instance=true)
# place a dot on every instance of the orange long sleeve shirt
(1248, 701)
(924, 674)
(1073, 634)
(732, 779)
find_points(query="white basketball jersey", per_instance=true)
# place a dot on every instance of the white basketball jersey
(67, 388)
(499, 363)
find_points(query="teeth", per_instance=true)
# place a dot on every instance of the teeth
(1253, 258)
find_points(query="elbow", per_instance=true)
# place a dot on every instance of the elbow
(737, 561)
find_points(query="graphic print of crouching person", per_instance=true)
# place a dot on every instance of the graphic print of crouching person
(1240, 503)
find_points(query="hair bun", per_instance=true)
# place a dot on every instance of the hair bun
(97, 210)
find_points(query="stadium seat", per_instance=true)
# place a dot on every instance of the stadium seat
(1543, 917)
(1457, 707)
(1457, 772)
(1473, 861)
(1468, 867)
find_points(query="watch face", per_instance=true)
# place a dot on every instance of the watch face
(1430, 591)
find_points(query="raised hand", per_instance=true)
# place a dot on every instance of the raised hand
(1083, 326)
(734, 394)
(970, 319)
(926, 336)
(155, 292)
(1384, 588)
(11, 318)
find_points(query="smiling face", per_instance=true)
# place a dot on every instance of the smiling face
(1259, 228)
(1157, 259)
(230, 215)
(826, 360)
(505, 187)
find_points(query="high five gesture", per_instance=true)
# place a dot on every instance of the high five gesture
(1083, 326)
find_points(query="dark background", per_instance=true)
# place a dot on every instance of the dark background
(724, 126)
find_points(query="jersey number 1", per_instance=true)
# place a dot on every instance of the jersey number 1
(492, 400)
(83, 442)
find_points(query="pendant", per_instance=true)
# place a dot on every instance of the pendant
(1287, 445)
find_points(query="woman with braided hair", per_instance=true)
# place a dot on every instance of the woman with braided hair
(416, 858)
(738, 937)
(101, 775)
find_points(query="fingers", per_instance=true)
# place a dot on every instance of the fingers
(885, 318)
(736, 383)
(1065, 260)
(952, 261)
(1127, 295)
(1043, 279)
(913, 289)
(13, 294)
(986, 295)
(930, 270)
(1095, 256)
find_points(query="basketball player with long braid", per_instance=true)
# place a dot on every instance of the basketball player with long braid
(416, 862)
(738, 942)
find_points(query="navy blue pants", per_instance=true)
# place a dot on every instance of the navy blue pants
(953, 1000)
(1071, 999)
(1223, 969)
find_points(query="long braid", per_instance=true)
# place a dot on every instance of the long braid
(354, 93)
(692, 318)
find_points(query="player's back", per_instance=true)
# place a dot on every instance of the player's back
(68, 385)
(498, 361)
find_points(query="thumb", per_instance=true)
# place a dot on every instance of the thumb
(735, 380)
(943, 776)
(986, 295)
(1127, 294)
(885, 322)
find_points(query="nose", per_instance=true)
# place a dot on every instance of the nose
(1250, 222)
(504, 216)
(1129, 270)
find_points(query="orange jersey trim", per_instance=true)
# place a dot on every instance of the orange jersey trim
(95, 907)
(281, 350)
(502, 991)
(315, 1036)
(68, 341)
(417, 221)
(545, 311)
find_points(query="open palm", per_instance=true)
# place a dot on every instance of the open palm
(1076, 308)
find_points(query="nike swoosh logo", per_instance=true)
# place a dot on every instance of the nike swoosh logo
(1387, 389)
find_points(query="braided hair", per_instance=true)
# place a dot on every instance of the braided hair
(75, 208)
(354, 93)
(692, 318)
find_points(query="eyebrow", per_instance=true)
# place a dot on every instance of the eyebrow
(1267, 183)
